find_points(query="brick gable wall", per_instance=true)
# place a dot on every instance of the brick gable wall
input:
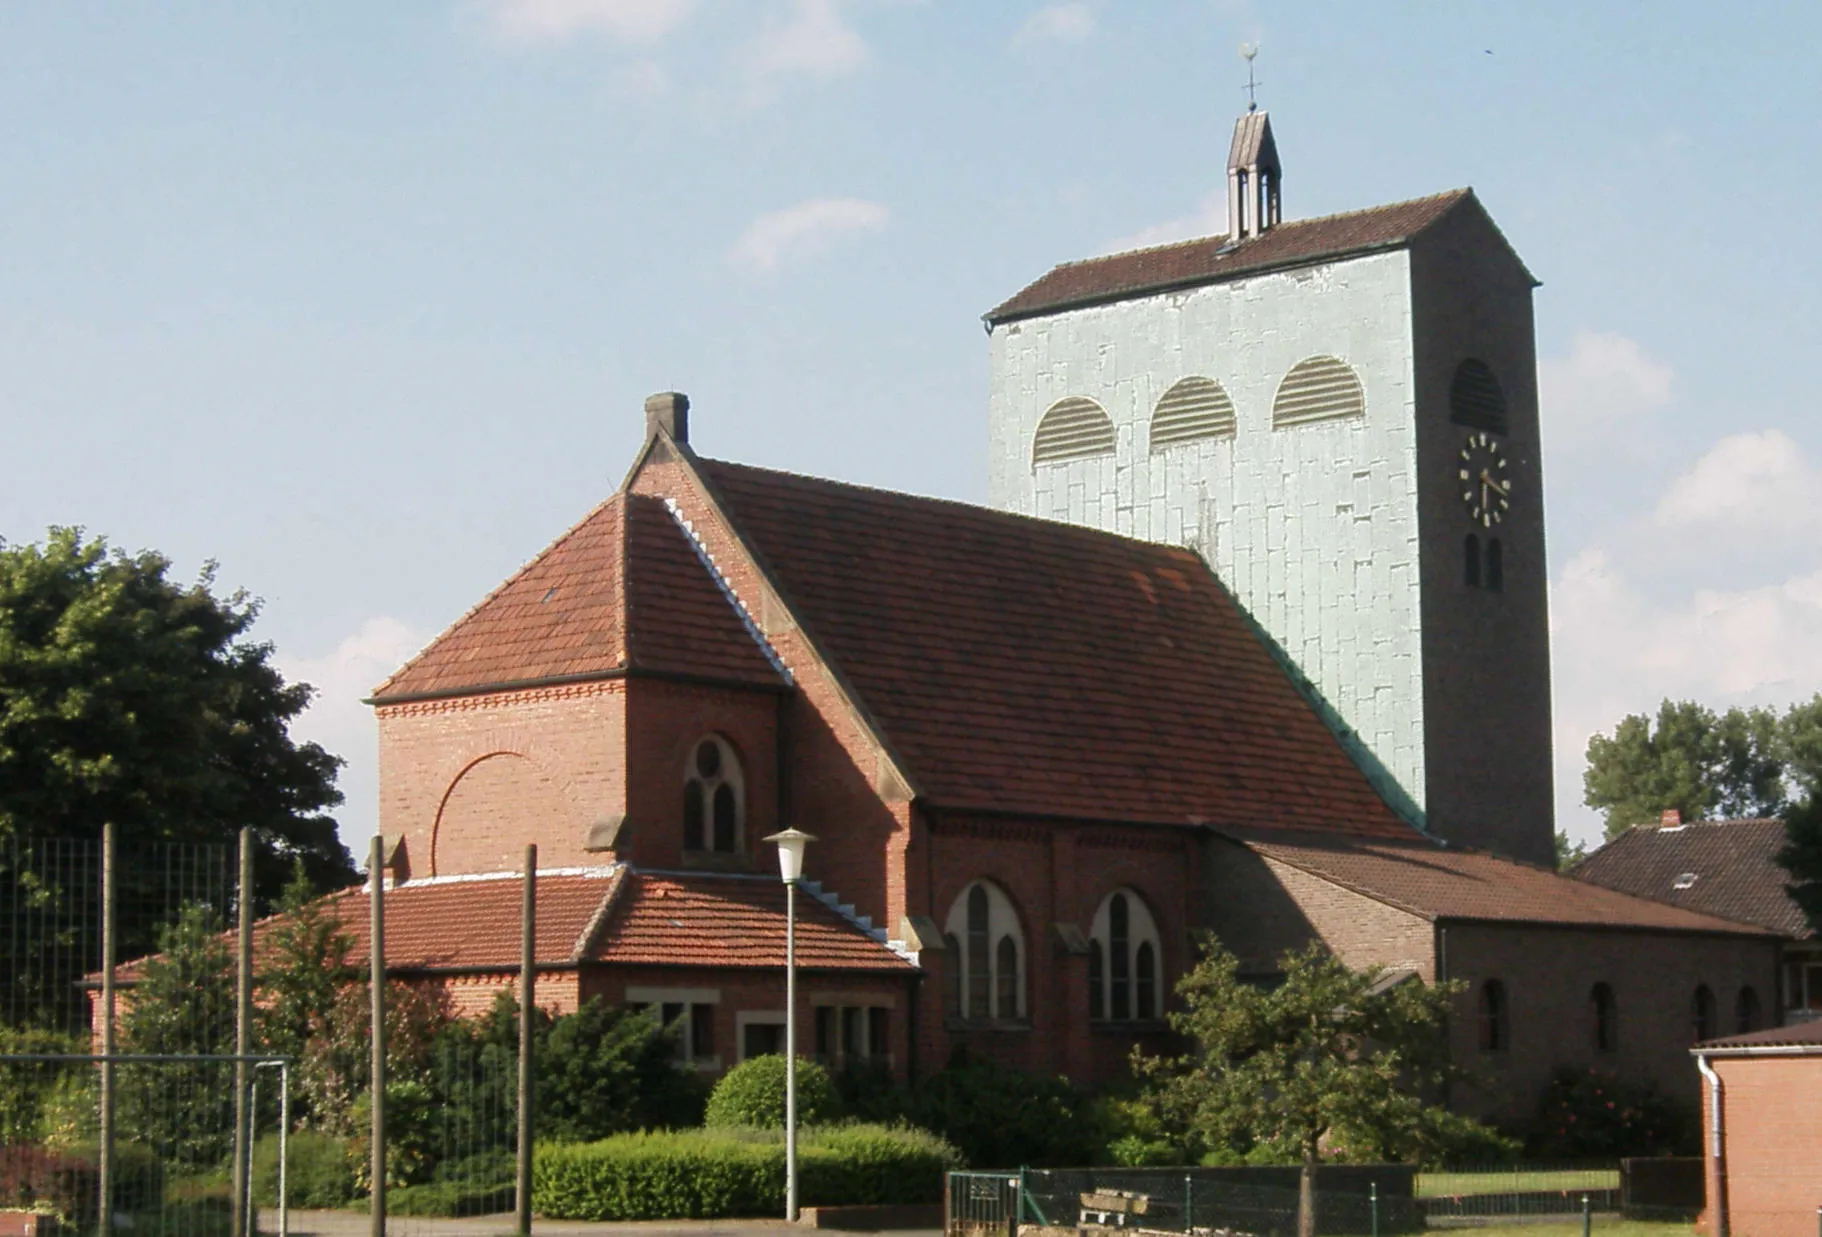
(1773, 1119)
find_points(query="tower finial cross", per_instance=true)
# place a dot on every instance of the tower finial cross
(1247, 52)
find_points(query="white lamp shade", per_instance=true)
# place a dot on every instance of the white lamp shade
(790, 853)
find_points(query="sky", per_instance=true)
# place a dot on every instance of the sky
(361, 301)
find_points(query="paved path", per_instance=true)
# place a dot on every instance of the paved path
(356, 1224)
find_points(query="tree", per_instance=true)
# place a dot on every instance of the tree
(1802, 858)
(1328, 1060)
(304, 966)
(1693, 761)
(127, 697)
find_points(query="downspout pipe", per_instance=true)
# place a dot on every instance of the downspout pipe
(1717, 1145)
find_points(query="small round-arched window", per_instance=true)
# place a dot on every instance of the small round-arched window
(714, 798)
(1322, 388)
(1072, 429)
(1475, 397)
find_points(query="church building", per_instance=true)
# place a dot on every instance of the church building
(1254, 645)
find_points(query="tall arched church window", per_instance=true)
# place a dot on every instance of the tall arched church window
(1475, 397)
(1322, 388)
(1073, 428)
(1193, 408)
(987, 952)
(714, 798)
(1124, 972)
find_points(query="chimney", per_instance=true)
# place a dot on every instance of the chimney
(1670, 818)
(668, 411)
(1252, 178)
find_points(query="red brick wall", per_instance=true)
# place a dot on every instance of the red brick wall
(1772, 1110)
(665, 722)
(1549, 974)
(468, 782)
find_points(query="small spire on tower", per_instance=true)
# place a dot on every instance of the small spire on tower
(1253, 171)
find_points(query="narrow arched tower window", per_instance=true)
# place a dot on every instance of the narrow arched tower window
(714, 798)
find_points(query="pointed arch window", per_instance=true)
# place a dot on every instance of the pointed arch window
(714, 798)
(1194, 408)
(1124, 953)
(1072, 429)
(987, 956)
(1322, 388)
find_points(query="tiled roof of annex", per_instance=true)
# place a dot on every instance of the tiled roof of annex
(1448, 883)
(610, 914)
(1211, 259)
(623, 590)
(1734, 864)
(1803, 1036)
(1016, 664)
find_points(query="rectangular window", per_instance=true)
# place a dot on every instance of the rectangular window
(879, 1038)
(702, 1031)
(853, 1037)
(825, 1034)
(763, 1039)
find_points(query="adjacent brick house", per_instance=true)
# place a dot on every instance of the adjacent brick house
(1039, 759)
(1728, 868)
(1762, 1127)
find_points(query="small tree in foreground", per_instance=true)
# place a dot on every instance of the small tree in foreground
(1327, 1062)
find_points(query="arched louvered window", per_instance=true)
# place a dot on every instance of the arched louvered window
(1322, 388)
(988, 955)
(1475, 397)
(714, 798)
(1125, 979)
(1193, 408)
(1072, 429)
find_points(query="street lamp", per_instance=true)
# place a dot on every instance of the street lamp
(791, 843)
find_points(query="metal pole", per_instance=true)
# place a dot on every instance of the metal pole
(252, 1211)
(1189, 1204)
(790, 1051)
(376, 940)
(284, 1149)
(1587, 1216)
(108, 947)
(1373, 1202)
(528, 917)
(243, 1029)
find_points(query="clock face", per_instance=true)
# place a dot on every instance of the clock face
(1486, 482)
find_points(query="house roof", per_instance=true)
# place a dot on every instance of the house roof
(1805, 1037)
(623, 590)
(1212, 259)
(1437, 883)
(1734, 864)
(1019, 664)
(611, 914)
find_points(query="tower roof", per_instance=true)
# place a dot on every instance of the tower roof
(1253, 144)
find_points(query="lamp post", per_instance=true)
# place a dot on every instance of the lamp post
(791, 843)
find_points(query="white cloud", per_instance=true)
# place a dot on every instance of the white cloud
(804, 229)
(1747, 484)
(631, 21)
(341, 723)
(813, 41)
(1605, 381)
(1056, 23)
(1208, 219)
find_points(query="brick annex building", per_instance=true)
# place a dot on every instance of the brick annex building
(1242, 653)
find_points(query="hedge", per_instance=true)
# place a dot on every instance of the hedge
(714, 1173)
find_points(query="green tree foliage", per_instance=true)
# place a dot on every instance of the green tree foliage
(1802, 857)
(182, 1004)
(605, 1070)
(127, 697)
(1744, 762)
(752, 1094)
(1325, 1063)
(1002, 1118)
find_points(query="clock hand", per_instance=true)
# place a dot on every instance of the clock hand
(1504, 490)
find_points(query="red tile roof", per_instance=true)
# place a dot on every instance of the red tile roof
(1210, 259)
(1805, 1036)
(697, 919)
(1025, 665)
(624, 589)
(1734, 863)
(1435, 883)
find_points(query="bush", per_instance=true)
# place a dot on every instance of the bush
(714, 1173)
(1587, 1114)
(608, 1070)
(68, 1182)
(752, 1094)
(449, 1198)
(320, 1175)
(1002, 1118)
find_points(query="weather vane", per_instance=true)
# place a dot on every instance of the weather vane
(1248, 51)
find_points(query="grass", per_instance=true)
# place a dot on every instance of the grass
(1606, 1226)
(1518, 1181)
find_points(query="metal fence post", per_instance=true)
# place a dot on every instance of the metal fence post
(1587, 1216)
(284, 1149)
(1373, 1204)
(376, 940)
(528, 917)
(105, 1154)
(1189, 1204)
(243, 1028)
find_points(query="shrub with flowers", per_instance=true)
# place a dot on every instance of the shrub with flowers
(1590, 1114)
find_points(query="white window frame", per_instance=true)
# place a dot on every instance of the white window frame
(1141, 929)
(754, 1017)
(731, 774)
(1002, 921)
(653, 1000)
